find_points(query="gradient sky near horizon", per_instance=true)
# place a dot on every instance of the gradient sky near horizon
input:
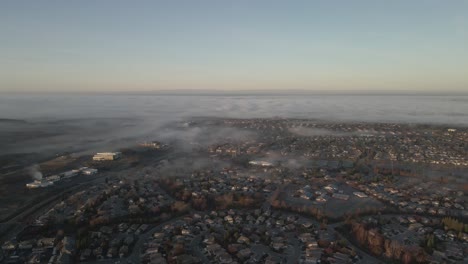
(113, 45)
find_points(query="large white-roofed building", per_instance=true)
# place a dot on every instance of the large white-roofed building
(107, 156)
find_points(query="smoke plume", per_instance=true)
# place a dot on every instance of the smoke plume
(35, 172)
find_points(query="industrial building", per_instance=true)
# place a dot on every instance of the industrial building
(39, 184)
(261, 163)
(89, 171)
(152, 144)
(69, 174)
(53, 178)
(49, 180)
(107, 156)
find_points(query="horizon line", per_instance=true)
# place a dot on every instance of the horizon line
(257, 92)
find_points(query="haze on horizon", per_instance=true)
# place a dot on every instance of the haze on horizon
(125, 46)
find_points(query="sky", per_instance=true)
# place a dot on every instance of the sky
(243, 45)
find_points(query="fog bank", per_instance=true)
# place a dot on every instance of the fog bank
(36, 123)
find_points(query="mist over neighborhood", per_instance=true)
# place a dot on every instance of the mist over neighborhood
(234, 132)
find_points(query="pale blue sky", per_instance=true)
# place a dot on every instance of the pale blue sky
(111, 45)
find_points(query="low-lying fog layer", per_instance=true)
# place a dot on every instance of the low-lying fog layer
(75, 122)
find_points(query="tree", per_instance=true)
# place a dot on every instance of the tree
(179, 206)
(430, 243)
(420, 256)
(407, 258)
